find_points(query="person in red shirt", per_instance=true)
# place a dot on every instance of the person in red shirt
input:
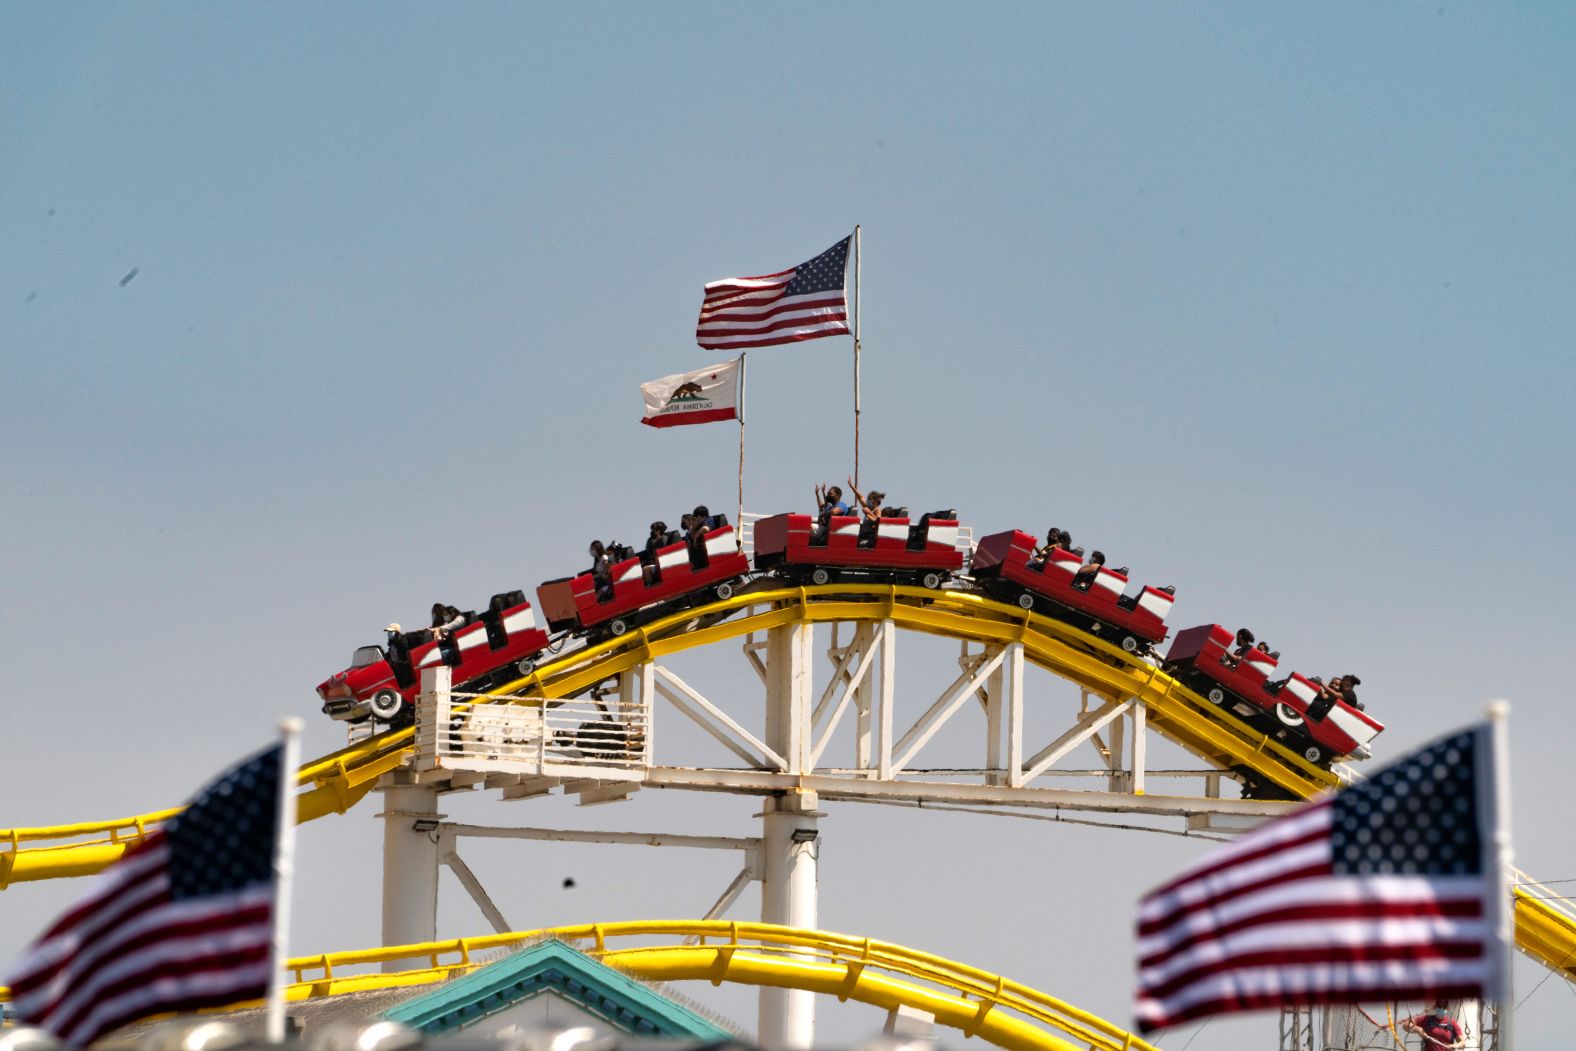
(1437, 1027)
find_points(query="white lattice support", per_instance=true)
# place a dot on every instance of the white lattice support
(885, 703)
(1115, 755)
(842, 658)
(1087, 727)
(852, 681)
(642, 682)
(1140, 747)
(788, 683)
(1012, 700)
(478, 893)
(752, 654)
(993, 697)
(716, 722)
(953, 698)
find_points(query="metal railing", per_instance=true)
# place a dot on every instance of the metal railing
(583, 736)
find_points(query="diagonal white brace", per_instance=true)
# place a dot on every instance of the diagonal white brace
(716, 722)
(866, 659)
(1085, 728)
(962, 689)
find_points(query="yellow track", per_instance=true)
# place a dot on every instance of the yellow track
(336, 782)
(976, 1003)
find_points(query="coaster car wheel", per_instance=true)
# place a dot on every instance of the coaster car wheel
(725, 590)
(1314, 754)
(1216, 695)
(1026, 601)
(618, 627)
(525, 666)
(1129, 644)
(820, 575)
(931, 580)
(385, 704)
(1287, 714)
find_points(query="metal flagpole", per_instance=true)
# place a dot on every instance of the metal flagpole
(1498, 852)
(858, 315)
(284, 873)
(740, 520)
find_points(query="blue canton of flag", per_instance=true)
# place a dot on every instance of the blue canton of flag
(1393, 888)
(807, 302)
(183, 921)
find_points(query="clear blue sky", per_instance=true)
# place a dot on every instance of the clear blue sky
(1272, 303)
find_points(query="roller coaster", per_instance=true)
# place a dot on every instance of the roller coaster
(773, 616)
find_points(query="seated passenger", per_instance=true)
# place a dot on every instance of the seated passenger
(601, 571)
(1244, 645)
(660, 537)
(868, 508)
(1053, 540)
(446, 619)
(1345, 688)
(1088, 571)
(699, 522)
(829, 501)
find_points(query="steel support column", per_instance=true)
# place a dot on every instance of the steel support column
(788, 896)
(790, 839)
(410, 865)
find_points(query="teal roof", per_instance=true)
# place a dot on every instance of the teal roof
(553, 966)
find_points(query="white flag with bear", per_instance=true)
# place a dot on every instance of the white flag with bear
(703, 396)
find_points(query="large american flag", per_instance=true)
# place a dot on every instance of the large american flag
(1394, 888)
(183, 921)
(806, 302)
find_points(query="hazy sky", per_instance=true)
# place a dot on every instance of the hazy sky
(1271, 303)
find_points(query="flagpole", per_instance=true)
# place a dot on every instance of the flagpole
(858, 316)
(740, 519)
(284, 873)
(1499, 851)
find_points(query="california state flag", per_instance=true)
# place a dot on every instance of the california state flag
(702, 396)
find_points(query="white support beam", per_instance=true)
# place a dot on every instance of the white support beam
(884, 714)
(1012, 682)
(853, 681)
(1085, 728)
(1140, 747)
(752, 655)
(998, 769)
(842, 657)
(1114, 757)
(453, 831)
(478, 893)
(946, 705)
(717, 722)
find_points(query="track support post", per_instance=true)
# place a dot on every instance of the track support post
(410, 848)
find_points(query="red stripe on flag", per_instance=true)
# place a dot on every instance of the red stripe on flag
(680, 419)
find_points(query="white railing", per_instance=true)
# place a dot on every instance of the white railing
(581, 737)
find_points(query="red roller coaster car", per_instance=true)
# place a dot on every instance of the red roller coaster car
(1322, 727)
(925, 553)
(500, 644)
(571, 603)
(1002, 565)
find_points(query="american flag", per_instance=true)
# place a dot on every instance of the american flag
(807, 302)
(183, 921)
(1393, 888)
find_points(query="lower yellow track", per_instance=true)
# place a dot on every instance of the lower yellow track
(974, 1002)
(336, 782)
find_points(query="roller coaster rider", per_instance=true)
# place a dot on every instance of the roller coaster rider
(869, 511)
(1088, 571)
(601, 571)
(446, 619)
(660, 537)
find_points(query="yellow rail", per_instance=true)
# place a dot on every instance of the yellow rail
(998, 1010)
(336, 782)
